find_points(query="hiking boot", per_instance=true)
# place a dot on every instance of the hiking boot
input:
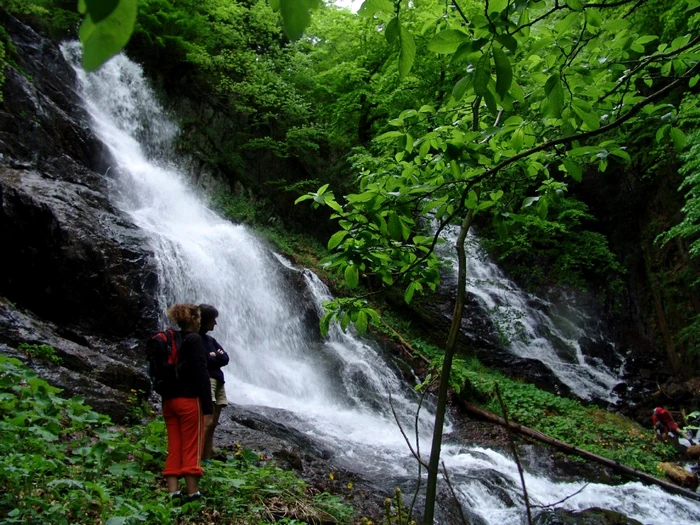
(186, 498)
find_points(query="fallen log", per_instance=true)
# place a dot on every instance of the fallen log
(570, 449)
(680, 475)
(694, 451)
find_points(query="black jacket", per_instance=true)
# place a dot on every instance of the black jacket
(220, 359)
(194, 377)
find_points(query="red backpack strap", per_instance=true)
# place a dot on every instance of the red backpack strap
(173, 357)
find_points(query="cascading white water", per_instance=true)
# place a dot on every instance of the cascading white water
(337, 389)
(536, 333)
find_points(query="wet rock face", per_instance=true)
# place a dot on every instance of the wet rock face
(595, 351)
(433, 317)
(266, 431)
(41, 119)
(108, 374)
(70, 256)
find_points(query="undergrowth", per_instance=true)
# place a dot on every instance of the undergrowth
(63, 463)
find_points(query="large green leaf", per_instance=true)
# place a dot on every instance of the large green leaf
(678, 137)
(100, 9)
(392, 30)
(482, 75)
(296, 15)
(104, 39)
(447, 41)
(573, 169)
(504, 72)
(395, 227)
(410, 290)
(352, 275)
(461, 87)
(590, 117)
(555, 94)
(336, 238)
(496, 6)
(369, 7)
(507, 41)
(407, 51)
(361, 322)
(574, 4)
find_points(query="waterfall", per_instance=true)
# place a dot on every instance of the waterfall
(533, 327)
(336, 390)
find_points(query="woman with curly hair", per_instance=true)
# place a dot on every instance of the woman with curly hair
(188, 408)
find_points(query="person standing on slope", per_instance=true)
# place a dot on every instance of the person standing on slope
(187, 406)
(216, 359)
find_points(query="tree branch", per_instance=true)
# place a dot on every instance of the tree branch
(452, 490)
(405, 437)
(461, 13)
(593, 133)
(644, 63)
(561, 500)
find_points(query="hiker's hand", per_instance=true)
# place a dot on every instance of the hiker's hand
(212, 354)
(208, 420)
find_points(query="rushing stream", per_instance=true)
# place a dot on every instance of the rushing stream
(335, 390)
(534, 328)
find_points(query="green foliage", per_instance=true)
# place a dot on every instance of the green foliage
(690, 335)
(246, 210)
(556, 249)
(41, 352)
(56, 18)
(233, 57)
(105, 30)
(68, 464)
(689, 227)
(295, 15)
(539, 96)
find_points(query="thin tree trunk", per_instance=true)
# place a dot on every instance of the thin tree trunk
(434, 464)
(570, 449)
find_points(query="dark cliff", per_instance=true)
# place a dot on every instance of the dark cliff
(78, 275)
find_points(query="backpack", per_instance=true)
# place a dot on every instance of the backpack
(164, 365)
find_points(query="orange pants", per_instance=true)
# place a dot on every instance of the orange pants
(184, 421)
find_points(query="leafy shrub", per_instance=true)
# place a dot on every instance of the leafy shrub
(558, 249)
(42, 352)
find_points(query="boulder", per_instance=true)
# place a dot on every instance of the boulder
(593, 516)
